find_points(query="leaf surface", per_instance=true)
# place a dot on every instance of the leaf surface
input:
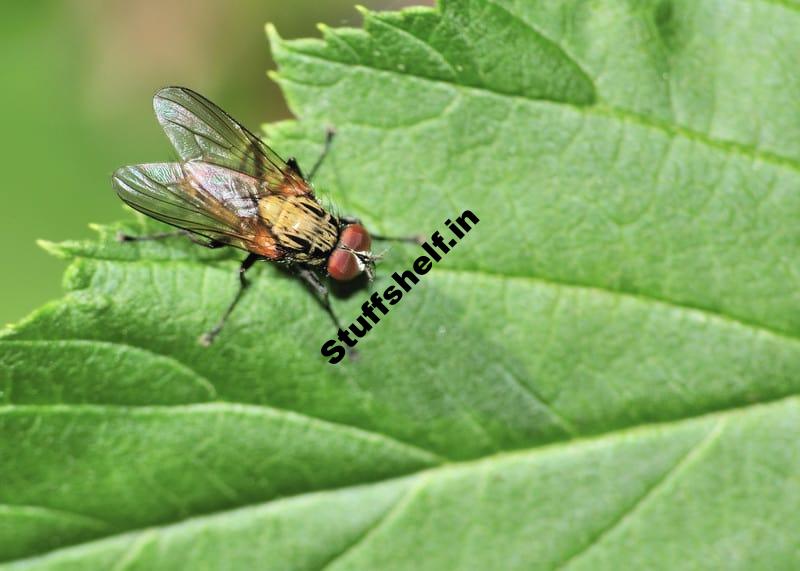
(602, 374)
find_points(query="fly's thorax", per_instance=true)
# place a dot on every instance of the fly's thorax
(300, 226)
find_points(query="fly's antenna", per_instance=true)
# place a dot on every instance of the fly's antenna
(366, 260)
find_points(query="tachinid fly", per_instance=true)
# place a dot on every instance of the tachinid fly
(231, 189)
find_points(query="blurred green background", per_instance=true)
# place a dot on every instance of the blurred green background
(77, 77)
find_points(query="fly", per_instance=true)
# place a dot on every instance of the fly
(230, 189)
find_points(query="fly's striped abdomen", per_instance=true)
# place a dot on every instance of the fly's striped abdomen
(301, 226)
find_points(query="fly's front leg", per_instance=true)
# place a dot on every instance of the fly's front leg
(414, 239)
(208, 337)
(122, 237)
(313, 282)
(329, 134)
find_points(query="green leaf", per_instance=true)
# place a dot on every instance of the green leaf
(603, 374)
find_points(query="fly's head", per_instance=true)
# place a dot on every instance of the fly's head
(352, 256)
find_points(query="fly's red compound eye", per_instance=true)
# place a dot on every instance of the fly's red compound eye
(342, 264)
(355, 237)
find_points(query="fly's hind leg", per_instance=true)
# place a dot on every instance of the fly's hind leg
(208, 337)
(122, 237)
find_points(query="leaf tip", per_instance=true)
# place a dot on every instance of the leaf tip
(274, 75)
(54, 248)
(272, 34)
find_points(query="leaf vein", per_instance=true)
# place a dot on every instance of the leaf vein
(669, 477)
(392, 513)
(57, 513)
(423, 476)
(598, 109)
(546, 280)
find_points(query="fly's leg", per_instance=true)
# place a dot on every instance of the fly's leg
(329, 134)
(292, 162)
(414, 239)
(122, 237)
(208, 337)
(313, 282)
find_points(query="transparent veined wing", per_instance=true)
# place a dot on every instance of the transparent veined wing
(201, 131)
(216, 203)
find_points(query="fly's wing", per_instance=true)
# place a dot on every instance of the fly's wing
(201, 131)
(213, 202)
